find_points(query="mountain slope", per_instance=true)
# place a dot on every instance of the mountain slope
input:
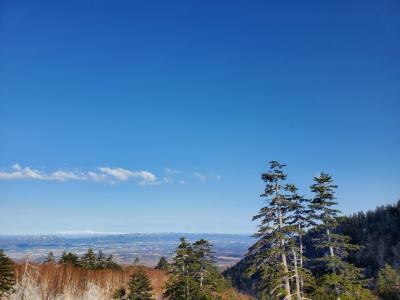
(377, 231)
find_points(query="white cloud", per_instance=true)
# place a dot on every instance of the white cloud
(147, 177)
(123, 175)
(105, 174)
(22, 173)
(64, 176)
(97, 177)
(200, 176)
(118, 173)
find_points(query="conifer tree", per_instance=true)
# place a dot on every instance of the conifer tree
(388, 283)
(50, 258)
(140, 286)
(89, 260)
(7, 276)
(69, 259)
(271, 251)
(181, 284)
(111, 264)
(194, 277)
(339, 278)
(203, 259)
(101, 260)
(163, 264)
(301, 219)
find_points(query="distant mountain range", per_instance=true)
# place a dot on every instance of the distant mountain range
(149, 247)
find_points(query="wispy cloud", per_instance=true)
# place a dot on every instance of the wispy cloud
(21, 173)
(117, 173)
(64, 176)
(103, 174)
(171, 171)
(147, 177)
(200, 176)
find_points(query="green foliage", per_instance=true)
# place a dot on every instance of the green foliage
(378, 232)
(50, 258)
(270, 252)
(336, 275)
(310, 234)
(101, 260)
(89, 260)
(7, 276)
(69, 259)
(193, 275)
(388, 283)
(140, 286)
(163, 264)
(330, 285)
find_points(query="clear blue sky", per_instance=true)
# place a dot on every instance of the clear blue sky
(191, 99)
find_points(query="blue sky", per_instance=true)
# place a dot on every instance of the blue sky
(139, 116)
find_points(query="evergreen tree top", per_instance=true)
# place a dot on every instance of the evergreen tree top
(140, 286)
(275, 173)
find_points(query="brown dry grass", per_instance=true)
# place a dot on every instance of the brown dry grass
(52, 281)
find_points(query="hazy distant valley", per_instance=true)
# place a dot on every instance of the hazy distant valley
(229, 248)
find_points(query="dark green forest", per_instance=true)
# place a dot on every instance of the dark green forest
(376, 231)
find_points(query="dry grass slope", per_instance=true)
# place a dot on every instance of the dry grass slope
(47, 282)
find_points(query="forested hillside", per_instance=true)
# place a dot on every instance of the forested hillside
(377, 232)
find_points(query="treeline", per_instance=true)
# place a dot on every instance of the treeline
(306, 250)
(89, 260)
(378, 232)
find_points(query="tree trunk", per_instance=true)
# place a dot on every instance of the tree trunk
(296, 275)
(201, 278)
(284, 262)
(328, 233)
(332, 254)
(301, 261)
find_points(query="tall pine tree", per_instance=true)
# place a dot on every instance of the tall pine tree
(300, 219)
(203, 259)
(181, 285)
(271, 249)
(194, 277)
(339, 278)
